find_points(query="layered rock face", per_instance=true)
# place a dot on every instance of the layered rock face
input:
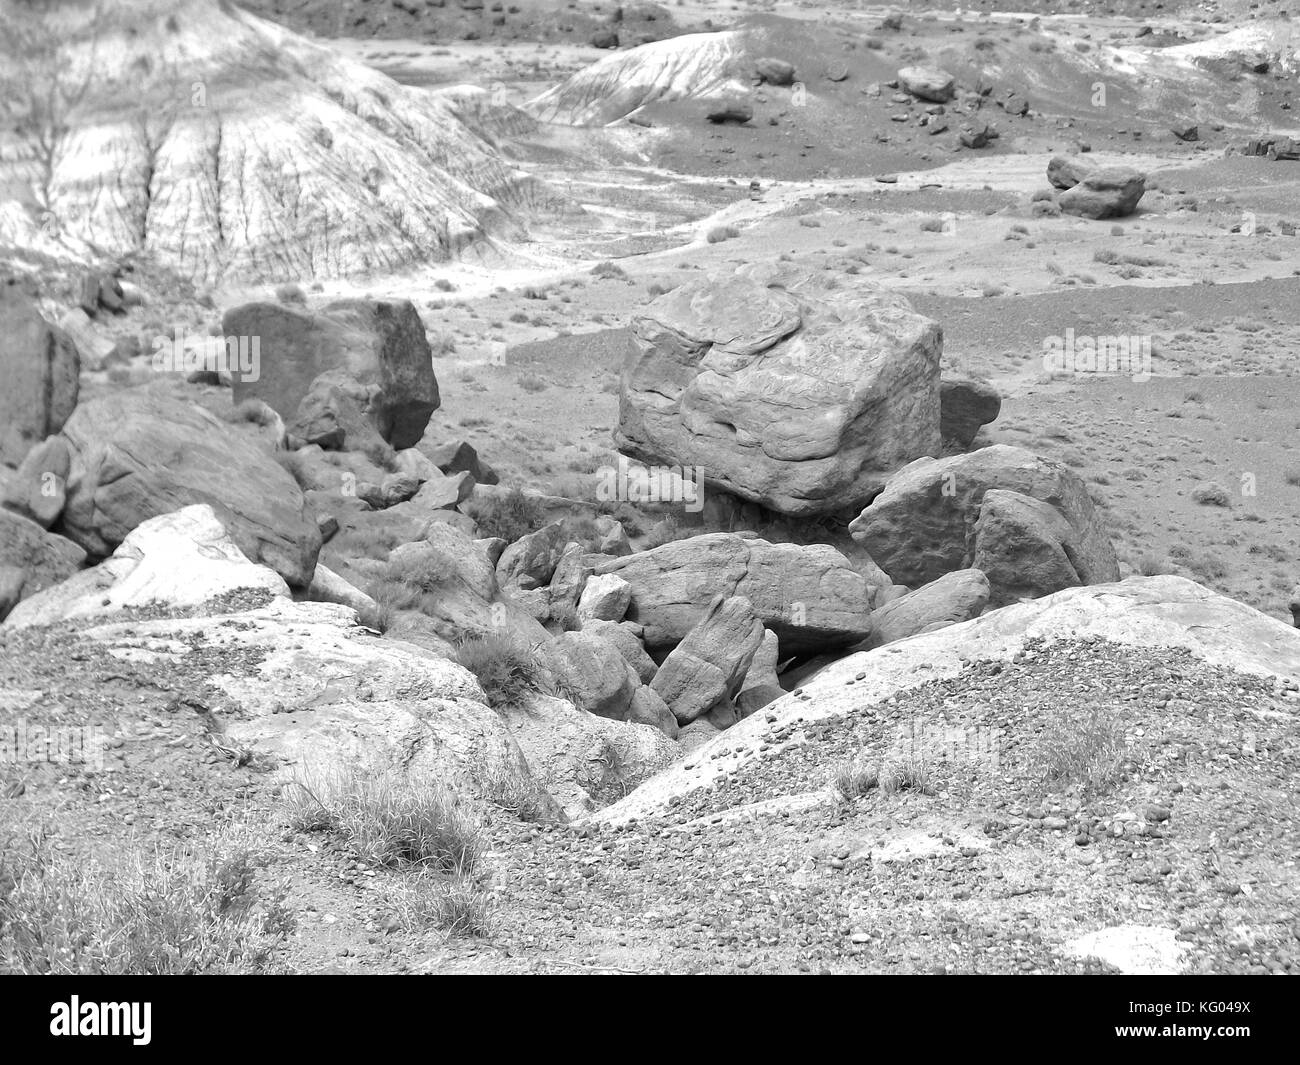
(378, 344)
(137, 455)
(938, 516)
(781, 389)
(693, 65)
(228, 146)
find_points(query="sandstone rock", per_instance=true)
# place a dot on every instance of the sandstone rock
(735, 111)
(774, 71)
(1142, 612)
(604, 38)
(183, 560)
(41, 371)
(710, 663)
(648, 708)
(139, 454)
(531, 560)
(1064, 172)
(811, 597)
(377, 344)
(953, 598)
(456, 456)
(613, 538)
(761, 685)
(628, 644)
(604, 598)
(601, 681)
(38, 488)
(584, 761)
(443, 491)
(923, 525)
(334, 414)
(928, 83)
(965, 405)
(92, 347)
(1110, 192)
(781, 390)
(326, 697)
(328, 587)
(1026, 547)
(32, 559)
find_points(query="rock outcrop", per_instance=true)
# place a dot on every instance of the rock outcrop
(381, 346)
(138, 454)
(710, 664)
(811, 597)
(1109, 192)
(924, 523)
(781, 389)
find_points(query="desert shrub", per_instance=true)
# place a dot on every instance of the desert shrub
(291, 294)
(531, 382)
(852, 780)
(442, 343)
(519, 318)
(427, 571)
(932, 225)
(507, 670)
(155, 912)
(1087, 750)
(443, 285)
(509, 516)
(1152, 565)
(1211, 494)
(386, 820)
(610, 270)
(907, 774)
(518, 795)
(718, 234)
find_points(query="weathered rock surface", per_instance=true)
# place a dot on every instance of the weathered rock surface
(928, 83)
(1109, 192)
(923, 525)
(710, 663)
(953, 598)
(380, 345)
(41, 370)
(39, 487)
(761, 685)
(628, 644)
(177, 561)
(31, 560)
(1064, 172)
(138, 454)
(1144, 612)
(601, 680)
(965, 406)
(811, 597)
(780, 389)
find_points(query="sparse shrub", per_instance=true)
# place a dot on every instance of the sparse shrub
(531, 382)
(519, 318)
(532, 292)
(609, 270)
(507, 670)
(443, 285)
(718, 234)
(932, 225)
(908, 774)
(1084, 750)
(510, 516)
(1152, 565)
(442, 343)
(291, 294)
(851, 780)
(152, 913)
(1211, 494)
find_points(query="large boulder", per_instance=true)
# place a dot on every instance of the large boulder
(39, 487)
(138, 454)
(928, 83)
(1110, 192)
(600, 679)
(42, 374)
(810, 596)
(177, 561)
(1064, 172)
(378, 343)
(953, 598)
(710, 664)
(923, 524)
(32, 559)
(1027, 548)
(624, 639)
(966, 405)
(782, 389)
(761, 685)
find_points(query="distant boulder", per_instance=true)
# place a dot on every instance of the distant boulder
(1110, 192)
(1064, 172)
(604, 38)
(378, 346)
(928, 83)
(774, 71)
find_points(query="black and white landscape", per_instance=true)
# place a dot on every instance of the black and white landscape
(551, 487)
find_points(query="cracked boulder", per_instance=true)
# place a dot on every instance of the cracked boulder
(810, 596)
(780, 389)
(709, 666)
